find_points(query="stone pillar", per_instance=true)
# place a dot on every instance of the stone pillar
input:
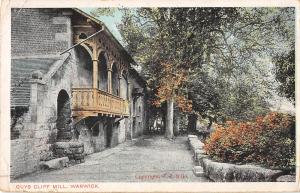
(29, 132)
(109, 80)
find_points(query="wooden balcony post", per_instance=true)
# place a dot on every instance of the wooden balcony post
(95, 73)
(128, 90)
(95, 64)
(109, 80)
(120, 79)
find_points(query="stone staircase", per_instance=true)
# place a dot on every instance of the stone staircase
(66, 151)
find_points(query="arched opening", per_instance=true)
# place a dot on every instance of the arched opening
(84, 68)
(115, 80)
(63, 122)
(102, 72)
(124, 86)
(109, 135)
(95, 130)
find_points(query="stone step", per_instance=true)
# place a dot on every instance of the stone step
(55, 164)
(192, 136)
(198, 171)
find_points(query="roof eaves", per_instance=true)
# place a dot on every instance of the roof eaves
(131, 60)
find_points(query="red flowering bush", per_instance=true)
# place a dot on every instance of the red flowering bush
(267, 141)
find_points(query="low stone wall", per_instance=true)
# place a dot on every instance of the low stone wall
(225, 172)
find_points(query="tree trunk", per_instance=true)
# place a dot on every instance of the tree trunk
(163, 122)
(176, 124)
(192, 123)
(210, 123)
(169, 122)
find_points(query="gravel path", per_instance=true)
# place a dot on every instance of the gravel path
(147, 159)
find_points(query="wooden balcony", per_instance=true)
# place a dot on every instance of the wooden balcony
(93, 102)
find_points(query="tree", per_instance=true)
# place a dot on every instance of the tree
(210, 61)
(285, 73)
(237, 63)
(168, 50)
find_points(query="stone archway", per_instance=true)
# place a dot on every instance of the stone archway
(63, 122)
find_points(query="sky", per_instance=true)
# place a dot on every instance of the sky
(111, 22)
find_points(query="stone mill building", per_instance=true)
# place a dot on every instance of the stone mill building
(88, 97)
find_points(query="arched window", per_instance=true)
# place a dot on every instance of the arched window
(84, 65)
(102, 72)
(115, 80)
(124, 86)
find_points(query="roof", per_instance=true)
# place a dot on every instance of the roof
(21, 70)
(124, 51)
(138, 77)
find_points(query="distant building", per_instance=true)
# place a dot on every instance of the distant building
(90, 94)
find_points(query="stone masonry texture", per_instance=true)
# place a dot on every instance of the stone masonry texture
(39, 35)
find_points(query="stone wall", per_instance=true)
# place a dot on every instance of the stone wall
(137, 108)
(40, 129)
(227, 172)
(122, 131)
(39, 31)
(36, 32)
(23, 159)
(94, 138)
(100, 133)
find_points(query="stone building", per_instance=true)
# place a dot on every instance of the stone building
(90, 94)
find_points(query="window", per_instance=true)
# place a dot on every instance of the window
(82, 36)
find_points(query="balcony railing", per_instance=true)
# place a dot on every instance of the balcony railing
(94, 102)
